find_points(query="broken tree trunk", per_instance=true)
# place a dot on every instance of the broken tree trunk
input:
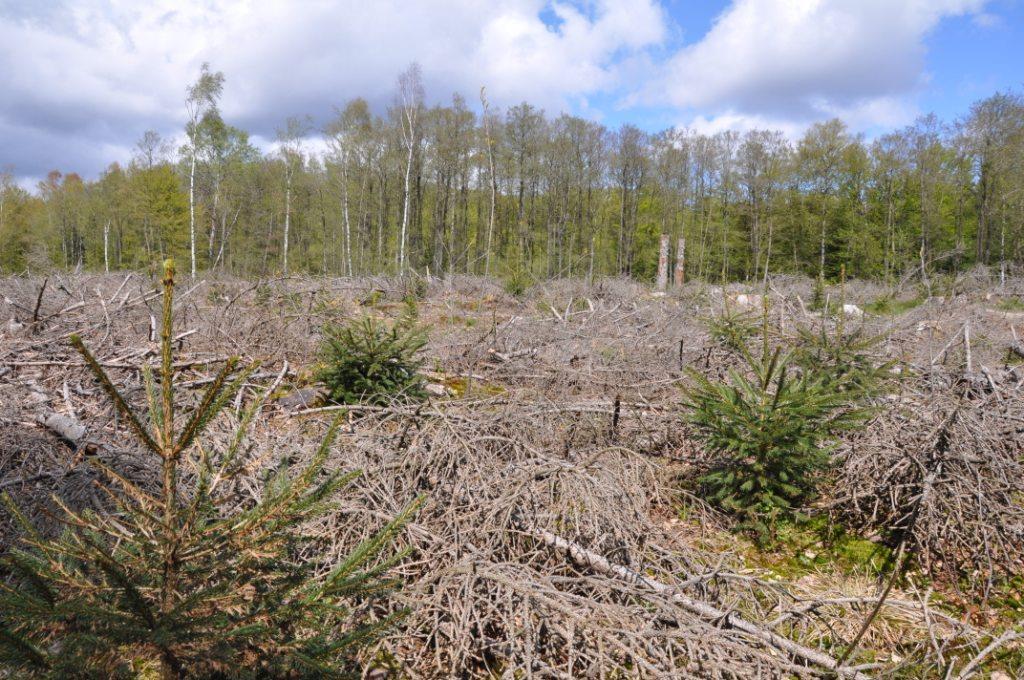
(679, 275)
(663, 263)
(585, 557)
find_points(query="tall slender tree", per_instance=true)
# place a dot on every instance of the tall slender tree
(201, 99)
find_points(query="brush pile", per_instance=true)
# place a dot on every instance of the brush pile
(551, 544)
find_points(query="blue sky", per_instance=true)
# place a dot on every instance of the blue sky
(83, 79)
(970, 58)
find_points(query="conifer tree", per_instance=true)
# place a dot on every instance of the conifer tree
(768, 430)
(170, 582)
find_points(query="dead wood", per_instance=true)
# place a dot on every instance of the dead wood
(721, 617)
(526, 442)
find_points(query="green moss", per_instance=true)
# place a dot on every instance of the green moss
(462, 386)
(890, 306)
(814, 545)
(1008, 599)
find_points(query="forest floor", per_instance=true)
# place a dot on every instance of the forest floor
(564, 534)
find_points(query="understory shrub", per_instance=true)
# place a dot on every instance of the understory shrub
(369, 360)
(189, 580)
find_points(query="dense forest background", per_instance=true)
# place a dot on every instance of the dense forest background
(467, 188)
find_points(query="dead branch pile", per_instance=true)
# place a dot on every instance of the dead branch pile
(972, 524)
(548, 547)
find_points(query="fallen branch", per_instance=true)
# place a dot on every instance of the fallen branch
(39, 301)
(1005, 638)
(585, 557)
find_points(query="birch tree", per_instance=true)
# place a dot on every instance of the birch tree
(342, 135)
(289, 140)
(202, 97)
(410, 100)
(489, 140)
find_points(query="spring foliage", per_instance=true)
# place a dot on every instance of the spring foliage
(171, 582)
(368, 360)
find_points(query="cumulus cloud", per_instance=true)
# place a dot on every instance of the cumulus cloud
(83, 79)
(104, 70)
(795, 61)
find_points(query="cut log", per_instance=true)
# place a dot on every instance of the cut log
(680, 270)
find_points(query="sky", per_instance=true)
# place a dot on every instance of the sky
(82, 80)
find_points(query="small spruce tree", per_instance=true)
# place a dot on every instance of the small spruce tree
(369, 361)
(171, 584)
(768, 430)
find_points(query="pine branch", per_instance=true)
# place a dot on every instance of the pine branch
(115, 395)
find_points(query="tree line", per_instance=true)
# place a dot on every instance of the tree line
(469, 188)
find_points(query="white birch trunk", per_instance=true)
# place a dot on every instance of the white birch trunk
(405, 210)
(106, 247)
(287, 219)
(192, 208)
(348, 229)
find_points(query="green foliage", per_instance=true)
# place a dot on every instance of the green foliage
(372, 298)
(818, 298)
(587, 202)
(192, 583)
(892, 306)
(416, 288)
(845, 358)
(516, 283)
(769, 434)
(732, 328)
(368, 360)
(1010, 304)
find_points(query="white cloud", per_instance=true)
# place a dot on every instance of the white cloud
(880, 113)
(987, 20)
(798, 60)
(741, 122)
(102, 70)
(82, 79)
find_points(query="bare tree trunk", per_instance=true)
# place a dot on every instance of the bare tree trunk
(680, 270)
(192, 208)
(348, 229)
(821, 260)
(405, 213)
(287, 219)
(768, 253)
(890, 248)
(663, 263)
(494, 184)
(590, 270)
(213, 224)
(106, 247)
(1002, 254)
